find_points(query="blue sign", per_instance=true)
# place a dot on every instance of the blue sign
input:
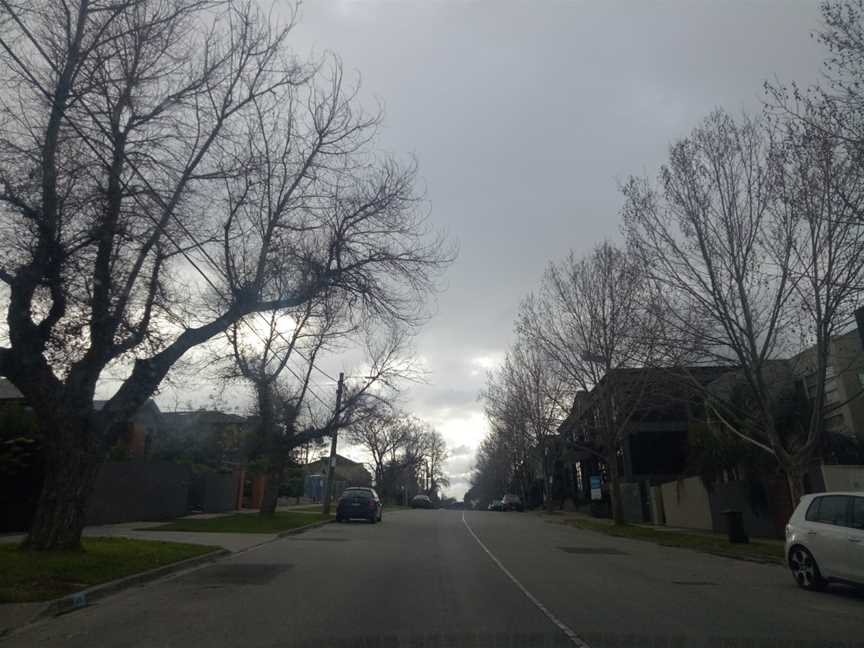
(596, 488)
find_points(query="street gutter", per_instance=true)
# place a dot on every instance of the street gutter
(302, 529)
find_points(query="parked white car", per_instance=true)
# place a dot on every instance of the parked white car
(825, 539)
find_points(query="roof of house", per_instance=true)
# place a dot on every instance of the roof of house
(200, 417)
(148, 414)
(653, 385)
(340, 461)
(8, 391)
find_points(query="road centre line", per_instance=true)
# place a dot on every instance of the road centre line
(571, 635)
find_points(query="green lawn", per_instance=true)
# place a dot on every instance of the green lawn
(41, 576)
(244, 523)
(708, 542)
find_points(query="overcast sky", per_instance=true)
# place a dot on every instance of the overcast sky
(524, 117)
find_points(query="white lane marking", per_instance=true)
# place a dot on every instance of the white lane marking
(571, 635)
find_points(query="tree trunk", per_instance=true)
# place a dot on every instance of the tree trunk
(271, 488)
(273, 454)
(548, 502)
(71, 465)
(795, 479)
(615, 487)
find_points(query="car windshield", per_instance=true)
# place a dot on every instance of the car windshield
(361, 493)
(432, 323)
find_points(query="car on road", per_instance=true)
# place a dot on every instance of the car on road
(825, 539)
(359, 502)
(511, 503)
(495, 505)
(421, 501)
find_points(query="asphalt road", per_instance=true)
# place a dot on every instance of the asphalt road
(423, 578)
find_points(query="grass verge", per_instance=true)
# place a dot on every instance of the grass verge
(244, 523)
(41, 576)
(768, 550)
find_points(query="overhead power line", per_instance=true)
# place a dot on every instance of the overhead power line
(162, 204)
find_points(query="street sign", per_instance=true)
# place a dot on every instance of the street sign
(596, 489)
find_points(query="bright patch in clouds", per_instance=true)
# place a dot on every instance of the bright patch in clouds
(483, 363)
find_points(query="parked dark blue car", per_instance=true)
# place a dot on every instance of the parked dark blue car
(359, 502)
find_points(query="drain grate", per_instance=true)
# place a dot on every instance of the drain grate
(251, 574)
(594, 551)
(693, 583)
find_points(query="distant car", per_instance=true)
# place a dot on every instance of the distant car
(421, 501)
(511, 503)
(825, 540)
(496, 505)
(359, 502)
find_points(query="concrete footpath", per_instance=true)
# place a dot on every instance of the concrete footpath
(233, 542)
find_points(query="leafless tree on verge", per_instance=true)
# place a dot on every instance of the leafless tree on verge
(527, 397)
(755, 229)
(593, 319)
(129, 131)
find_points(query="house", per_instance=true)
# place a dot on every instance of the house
(348, 473)
(138, 432)
(844, 386)
(657, 407)
(208, 437)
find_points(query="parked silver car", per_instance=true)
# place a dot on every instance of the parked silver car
(825, 539)
(422, 501)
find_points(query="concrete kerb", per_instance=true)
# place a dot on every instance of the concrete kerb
(307, 527)
(85, 597)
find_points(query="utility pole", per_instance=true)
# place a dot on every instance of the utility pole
(331, 464)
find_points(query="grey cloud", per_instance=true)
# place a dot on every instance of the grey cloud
(524, 116)
(461, 450)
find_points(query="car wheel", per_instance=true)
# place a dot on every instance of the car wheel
(373, 519)
(805, 570)
(339, 519)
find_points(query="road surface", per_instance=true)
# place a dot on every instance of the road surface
(441, 578)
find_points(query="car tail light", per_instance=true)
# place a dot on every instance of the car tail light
(371, 503)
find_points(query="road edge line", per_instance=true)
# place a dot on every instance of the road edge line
(569, 632)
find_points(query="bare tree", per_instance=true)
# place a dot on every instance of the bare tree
(494, 468)
(382, 435)
(756, 230)
(592, 318)
(142, 142)
(526, 400)
(436, 456)
(834, 106)
(509, 435)
(262, 361)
